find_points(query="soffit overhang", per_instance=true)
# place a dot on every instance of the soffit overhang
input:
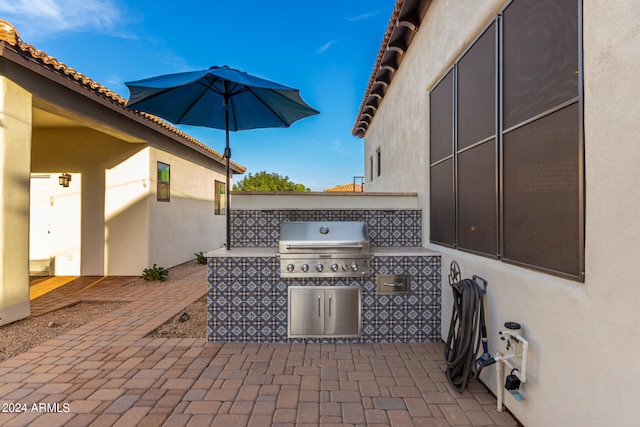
(14, 49)
(403, 26)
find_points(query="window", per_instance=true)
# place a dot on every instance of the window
(477, 146)
(164, 182)
(219, 198)
(442, 191)
(371, 168)
(542, 148)
(379, 161)
(510, 185)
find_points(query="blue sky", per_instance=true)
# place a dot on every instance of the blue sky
(326, 49)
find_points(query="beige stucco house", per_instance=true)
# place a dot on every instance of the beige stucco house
(516, 122)
(140, 191)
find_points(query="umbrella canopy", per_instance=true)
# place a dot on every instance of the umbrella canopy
(197, 98)
(220, 98)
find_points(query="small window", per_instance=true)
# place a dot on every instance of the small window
(219, 198)
(164, 186)
(371, 168)
(379, 166)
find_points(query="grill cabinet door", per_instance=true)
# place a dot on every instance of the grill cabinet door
(342, 311)
(306, 311)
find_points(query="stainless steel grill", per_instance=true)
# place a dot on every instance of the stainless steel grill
(324, 249)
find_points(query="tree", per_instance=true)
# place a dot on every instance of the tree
(263, 181)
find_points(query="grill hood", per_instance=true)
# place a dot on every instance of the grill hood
(323, 236)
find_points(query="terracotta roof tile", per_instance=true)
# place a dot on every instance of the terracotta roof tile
(404, 22)
(383, 47)
(9, 34)
(345, 188)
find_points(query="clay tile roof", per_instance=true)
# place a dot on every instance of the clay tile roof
(404, 23)
(9, 34)
(345, 188)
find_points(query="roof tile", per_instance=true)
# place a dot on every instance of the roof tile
(9, 34)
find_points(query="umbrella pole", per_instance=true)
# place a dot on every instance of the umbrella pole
(227, 155)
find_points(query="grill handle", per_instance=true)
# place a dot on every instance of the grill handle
(328, 246)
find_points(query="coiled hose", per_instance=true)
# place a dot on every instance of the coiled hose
(464, 337)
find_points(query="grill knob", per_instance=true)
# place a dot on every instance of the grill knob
(319, 268)
(334, 267)
(344, 267)
(354, 267)
(305, 267)
(290, 268)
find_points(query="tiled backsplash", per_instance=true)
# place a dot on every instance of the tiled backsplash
(248, 301)
(261, 228)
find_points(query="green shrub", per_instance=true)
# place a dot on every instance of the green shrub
(201, 258)
(155, 273)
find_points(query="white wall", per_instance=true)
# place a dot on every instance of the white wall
(123, 229)
(400, 128)
(313, 200)
(54, 229)
(127, 189)
(186, 225)
(65, 230)
(86, 155)
(583, 367)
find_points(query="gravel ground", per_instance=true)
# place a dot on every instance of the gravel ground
(23, 335)
(193, 324)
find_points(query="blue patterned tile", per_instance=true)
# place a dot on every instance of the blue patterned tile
(246, 307)
(261, 228)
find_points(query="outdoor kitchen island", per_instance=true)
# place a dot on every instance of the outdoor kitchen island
(395, 298)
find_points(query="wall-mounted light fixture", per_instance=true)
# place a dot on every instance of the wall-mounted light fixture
(64, 179)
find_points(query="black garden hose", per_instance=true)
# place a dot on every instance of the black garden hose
(464, 337)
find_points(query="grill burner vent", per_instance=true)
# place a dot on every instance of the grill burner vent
(324, 249)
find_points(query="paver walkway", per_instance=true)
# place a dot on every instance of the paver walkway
(106, 373)
(58, 292)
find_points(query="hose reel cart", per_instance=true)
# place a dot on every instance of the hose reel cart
(467, 330)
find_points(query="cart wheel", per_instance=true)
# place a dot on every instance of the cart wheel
(454, 273)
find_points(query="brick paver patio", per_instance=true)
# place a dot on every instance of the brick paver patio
(106, 373)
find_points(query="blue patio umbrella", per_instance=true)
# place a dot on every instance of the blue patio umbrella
(220, 98)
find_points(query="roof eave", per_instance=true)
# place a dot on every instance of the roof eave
(403, 25)
(16, 50)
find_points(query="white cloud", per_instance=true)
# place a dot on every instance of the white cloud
(332, 145)
(363, 16)
(337, 147)
(45, 17)
(326, 46)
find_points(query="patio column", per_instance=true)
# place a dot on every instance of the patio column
(15, 169)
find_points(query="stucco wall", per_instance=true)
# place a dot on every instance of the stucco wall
(241, 200)
(187, 224)
(66, 236)
(127, 190)
(15, 138)
(400, 128)
(123, 228)
(86, 154)
(582, 368)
